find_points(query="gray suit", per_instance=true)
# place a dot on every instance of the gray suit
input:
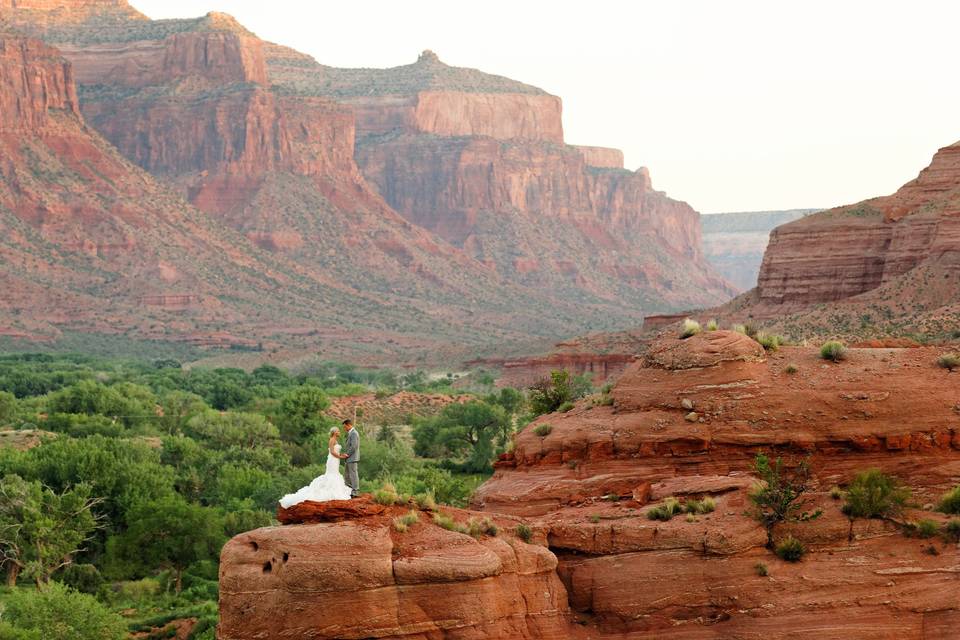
(353, 457)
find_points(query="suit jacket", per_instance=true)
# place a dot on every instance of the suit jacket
(353, 446)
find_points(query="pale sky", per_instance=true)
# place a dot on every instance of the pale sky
(734, 106)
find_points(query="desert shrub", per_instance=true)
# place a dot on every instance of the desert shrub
(700, 507)
(769, 341)
(792, 368)
(761, 569)
(873, 494)
(478, 528)
(927, 528)
(833, 351)
(779, 496)
(386, 495)
(740, 328)
(444, 521)
(524, 532)
(713, 325)
(565, 407)
(548, 394)
(425, 501)
(595, 519)
(836, 493)
(404, 522)
(951, 530)
(950, 501)
(542, 430)
(663, 512)
(949, 361)
(790, 549)
(690, 328)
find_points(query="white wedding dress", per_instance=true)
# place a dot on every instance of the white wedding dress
(329, 486)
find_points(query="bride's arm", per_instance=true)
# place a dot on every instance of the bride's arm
(331, 446)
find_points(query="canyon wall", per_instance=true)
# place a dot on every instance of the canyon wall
(480, 161)
(853, 250)
(35, 81)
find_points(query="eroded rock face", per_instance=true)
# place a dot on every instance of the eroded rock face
(36, 80)
(852, 250)
(608, 571)
(360, 578)
(494, 198)
(480, 161)
(632, 577)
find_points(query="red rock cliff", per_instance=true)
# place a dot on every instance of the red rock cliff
(851, 250)
(35, 80)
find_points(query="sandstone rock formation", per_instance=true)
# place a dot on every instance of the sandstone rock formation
(480, 160)
(360, 578)
(734, 243)
(869, 244)
(585, 489)
(263, 139)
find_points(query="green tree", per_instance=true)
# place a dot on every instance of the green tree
(169, 533)
(547, 395)
(122, 472)
(60, 613)
(464, 430)
(232, 429)
(300, 414)
(8, 407)
(779, 496)
(41, 531)
(178, 407)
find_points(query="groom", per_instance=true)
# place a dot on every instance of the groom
(352, 457)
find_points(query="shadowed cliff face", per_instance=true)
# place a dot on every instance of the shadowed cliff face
(686, 421)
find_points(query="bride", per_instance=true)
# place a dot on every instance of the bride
(329, 486)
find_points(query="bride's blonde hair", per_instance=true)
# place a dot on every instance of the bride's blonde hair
(334, 430)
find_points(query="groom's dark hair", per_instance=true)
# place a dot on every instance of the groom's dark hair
(347, 421)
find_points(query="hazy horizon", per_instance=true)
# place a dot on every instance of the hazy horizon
(741, 106)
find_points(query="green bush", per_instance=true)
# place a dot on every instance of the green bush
(425, 501)
(712, 325)
(445, 521)
(951, 530)
(740, 328)
(761, 569)
(949, 361)
(386, 495)
(478, 528)
(689, 329)
(565, 407)
(833, 351)
(769, 341)
(404, 522)
(665, 511)
(700, 507)
(524, 532)
(792, 368)
(58, 612)
(927, 528)
(950, 502)
(790, 549)
(542, 430)
(836, 493)
(873, 494)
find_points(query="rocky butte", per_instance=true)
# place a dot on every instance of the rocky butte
(686, 422)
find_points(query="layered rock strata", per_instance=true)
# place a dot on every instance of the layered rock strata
(686, 422)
